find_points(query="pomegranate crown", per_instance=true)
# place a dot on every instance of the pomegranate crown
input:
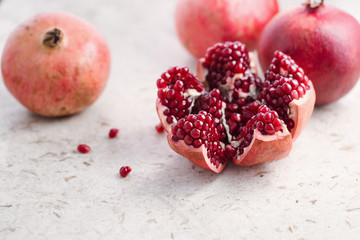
(313, 3)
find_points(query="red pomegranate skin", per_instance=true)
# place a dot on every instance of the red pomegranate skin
(59, 80)
(202, 23)
(324, 41)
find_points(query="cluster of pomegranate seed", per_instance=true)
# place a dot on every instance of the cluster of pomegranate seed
(238, 114)
(197, 130)
(285, 81)
(266, 121)
(172, 87)
(224, 60)
(211, 102)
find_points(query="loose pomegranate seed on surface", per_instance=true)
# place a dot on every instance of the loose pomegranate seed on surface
(83, 148)
(113, 132)
(159, 128)
(124, 171)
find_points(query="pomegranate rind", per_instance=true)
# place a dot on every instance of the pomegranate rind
(197, 156)
(301, 111)
(160, 109)
(266, 148)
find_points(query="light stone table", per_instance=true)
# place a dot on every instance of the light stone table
(49, 191)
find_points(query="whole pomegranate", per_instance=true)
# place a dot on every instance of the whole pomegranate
(228, 113)
(202, 23)
(55, 64)
(324, 40)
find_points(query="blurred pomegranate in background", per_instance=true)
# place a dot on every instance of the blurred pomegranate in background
(55, 64)
(202, 23)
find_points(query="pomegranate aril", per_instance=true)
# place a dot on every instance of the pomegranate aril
(195, 133)
(160, 83)
(162, 93)
(188, 126)
(188, 140)
(124, 171)
(159, 128)
(113, 132)
(83, 148)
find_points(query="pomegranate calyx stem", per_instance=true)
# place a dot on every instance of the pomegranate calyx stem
(53, 38)
(314, 4)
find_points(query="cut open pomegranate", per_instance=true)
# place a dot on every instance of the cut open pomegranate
(229, 113)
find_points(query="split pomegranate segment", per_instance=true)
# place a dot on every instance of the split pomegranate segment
(235, 115)
(197, 138)
(177, 89)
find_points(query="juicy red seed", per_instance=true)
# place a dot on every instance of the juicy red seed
(114, 132)
(191, 118)
(269, 128)
(180, 133)
(268, 117)
(159, 128)
(198, 124)
(160, 83)
(170, 94)
(188, 126)
(215, 93)
(197, 143)
(188, 140)
(179, 86)
(286, 88)
(290, 123)
(300, 91)
(260, 126)
(230, 152)
(277, 124)
(83, 148)
(294, 94)
(170, 119)
(195, 133)
(124, 171)
(161, 93)
(166, 76)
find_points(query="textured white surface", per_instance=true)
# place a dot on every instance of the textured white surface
(49, 191)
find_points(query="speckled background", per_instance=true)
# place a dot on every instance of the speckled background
(49, 191)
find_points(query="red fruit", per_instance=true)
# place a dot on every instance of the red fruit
(83, 148)
(113, 132)
(202, 23)
(124, 171)
(55, 64)
(323, 40)
(240, 117)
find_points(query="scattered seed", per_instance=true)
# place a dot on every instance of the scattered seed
(113, 132)
(124, 171)
(83, 148)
